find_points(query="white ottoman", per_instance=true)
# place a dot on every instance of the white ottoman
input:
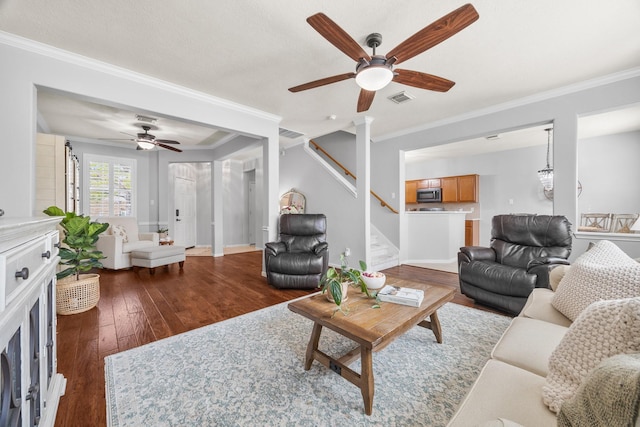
(156, 256)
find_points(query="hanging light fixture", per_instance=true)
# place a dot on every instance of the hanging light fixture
(546, 174)
(378, 72)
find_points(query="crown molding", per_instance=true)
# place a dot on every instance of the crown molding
(541, 96)
(113, 70)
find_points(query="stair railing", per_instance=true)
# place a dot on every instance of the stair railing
(349, 173)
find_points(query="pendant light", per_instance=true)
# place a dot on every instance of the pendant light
(546, 174)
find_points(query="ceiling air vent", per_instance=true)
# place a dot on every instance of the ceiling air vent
(146, 119)
(289, 133)
(401, 97)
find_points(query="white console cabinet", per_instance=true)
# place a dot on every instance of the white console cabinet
(30, 386)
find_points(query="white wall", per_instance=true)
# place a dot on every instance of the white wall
(324, 195)
(235, 212)
(28, 66)
(505, 177)
(609, 172)
(561, 107)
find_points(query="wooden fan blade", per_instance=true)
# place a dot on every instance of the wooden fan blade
(167, 141)
(322, 82)
(435, 33)
(422, 80)
(337, 36)
(365, 99)
(168, 147)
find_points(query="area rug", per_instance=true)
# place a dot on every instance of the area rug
(248, 371)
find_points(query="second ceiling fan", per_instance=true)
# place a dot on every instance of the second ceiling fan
(146, 141)
(376, 71)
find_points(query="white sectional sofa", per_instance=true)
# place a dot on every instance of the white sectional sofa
(509, 389)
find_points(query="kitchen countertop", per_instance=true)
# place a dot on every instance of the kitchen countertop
(437, 212)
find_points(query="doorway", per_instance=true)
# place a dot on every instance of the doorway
(189, 204)
(184, 193)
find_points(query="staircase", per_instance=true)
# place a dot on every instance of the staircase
(383, 253)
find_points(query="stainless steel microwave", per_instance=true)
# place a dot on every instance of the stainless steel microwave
(429, 195)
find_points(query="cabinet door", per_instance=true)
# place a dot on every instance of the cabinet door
(449, 189)
(471, 233)
(434, 183)
(468, 188)
(410, 191)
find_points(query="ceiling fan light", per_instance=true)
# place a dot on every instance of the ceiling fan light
(145, 145)
(374, 77)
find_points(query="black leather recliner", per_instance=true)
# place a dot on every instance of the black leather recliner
(301, 256)
(523, 249)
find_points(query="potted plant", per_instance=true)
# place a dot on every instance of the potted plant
(336, 283)
(77, 292)
(163, 232)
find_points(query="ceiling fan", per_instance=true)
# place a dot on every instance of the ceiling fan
(146, 141)
(376, 71)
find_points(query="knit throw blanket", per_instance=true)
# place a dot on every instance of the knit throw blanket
(609, 396)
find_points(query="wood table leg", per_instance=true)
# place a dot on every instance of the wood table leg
(435, 326)
(366, 378)
(312, 346)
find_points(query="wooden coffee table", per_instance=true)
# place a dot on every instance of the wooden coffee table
(371, 328)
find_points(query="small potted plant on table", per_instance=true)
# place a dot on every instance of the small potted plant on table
(336, 283)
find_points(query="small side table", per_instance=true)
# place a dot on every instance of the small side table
(166, 242)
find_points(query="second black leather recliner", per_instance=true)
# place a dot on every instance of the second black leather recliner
(301, 256)
(523, 249)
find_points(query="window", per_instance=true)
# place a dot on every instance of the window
(110, 186)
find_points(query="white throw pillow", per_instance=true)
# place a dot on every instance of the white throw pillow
(602, 330)
(119, 230)
(603, 272)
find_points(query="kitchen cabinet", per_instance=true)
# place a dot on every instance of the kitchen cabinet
(468, 188)
(471, 233)
(458, 189)
(449, 189)
(429, 183)
(410, 191)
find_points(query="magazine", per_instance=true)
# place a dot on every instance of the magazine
(404, 296)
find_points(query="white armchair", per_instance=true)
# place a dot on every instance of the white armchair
(120, 239)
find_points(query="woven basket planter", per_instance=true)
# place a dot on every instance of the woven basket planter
(75, 296)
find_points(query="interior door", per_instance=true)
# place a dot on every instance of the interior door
(184, 227)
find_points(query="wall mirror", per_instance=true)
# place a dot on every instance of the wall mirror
(292, 202)
(608, 153)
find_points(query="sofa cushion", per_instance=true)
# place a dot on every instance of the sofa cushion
(138, 244)
(504, 391)
(556, 274)
(499, 422)
(120, 231)
(603, 329)
(539, 307)
(603, 272)
(528, 344)
(608, 396)
(129, 223)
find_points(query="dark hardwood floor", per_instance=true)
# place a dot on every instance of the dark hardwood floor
(136, 308)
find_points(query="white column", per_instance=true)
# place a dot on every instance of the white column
(271, 190)
(218, 209)
(363, 186)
